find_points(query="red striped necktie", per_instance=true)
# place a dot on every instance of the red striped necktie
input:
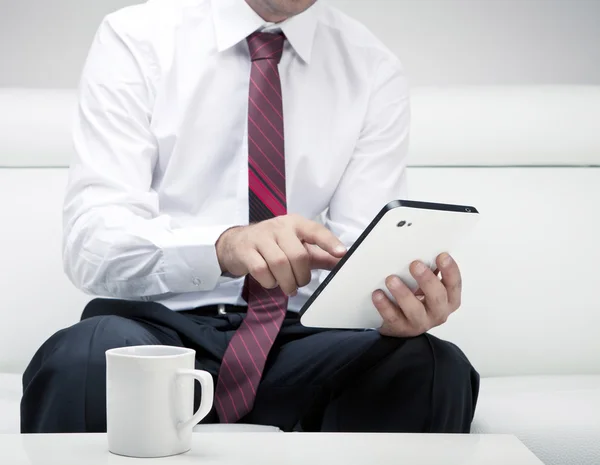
(244, 360)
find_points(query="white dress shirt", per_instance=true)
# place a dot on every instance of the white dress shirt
(161, 164)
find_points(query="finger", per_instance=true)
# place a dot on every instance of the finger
(279, 265)
(409, 304)
(297, 255)
(419, 292)
(257, 267)
(452, 280)
(433, 289)
(317, 234)
(319, 259)
(393, 318)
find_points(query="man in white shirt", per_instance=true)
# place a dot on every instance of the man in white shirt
(227, 153)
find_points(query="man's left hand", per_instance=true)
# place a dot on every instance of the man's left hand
(414, 315)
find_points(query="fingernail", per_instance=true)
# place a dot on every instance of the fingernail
(378, 296)
(420, 268)
(340, 249)
(446, 260)
(394, 281)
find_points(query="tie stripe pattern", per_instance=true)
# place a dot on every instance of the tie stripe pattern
(245, 358)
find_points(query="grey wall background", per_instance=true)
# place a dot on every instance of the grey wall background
(43, 43)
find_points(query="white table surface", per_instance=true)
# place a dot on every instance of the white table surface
(280, 449)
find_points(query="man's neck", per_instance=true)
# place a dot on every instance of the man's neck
(265, 12)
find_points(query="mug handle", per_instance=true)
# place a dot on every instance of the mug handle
(206, 382)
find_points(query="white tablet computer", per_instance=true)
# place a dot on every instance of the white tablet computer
(402, 232)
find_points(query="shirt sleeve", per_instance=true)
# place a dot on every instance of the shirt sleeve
(376, 174)
(116, 242)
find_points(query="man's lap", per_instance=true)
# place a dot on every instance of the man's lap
(307, 370)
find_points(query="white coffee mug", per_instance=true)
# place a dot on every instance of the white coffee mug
(150, 400)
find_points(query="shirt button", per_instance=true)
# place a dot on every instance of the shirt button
(196, 282)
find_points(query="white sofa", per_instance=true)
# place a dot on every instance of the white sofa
(528, 158)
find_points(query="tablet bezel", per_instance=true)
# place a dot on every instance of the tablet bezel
(390, 206)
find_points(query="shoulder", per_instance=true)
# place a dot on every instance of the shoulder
(149, 31)
(356, 39)
(154, 20)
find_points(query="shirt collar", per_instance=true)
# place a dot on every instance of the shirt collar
(235, 20)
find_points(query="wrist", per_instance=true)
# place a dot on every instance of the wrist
(221, 247)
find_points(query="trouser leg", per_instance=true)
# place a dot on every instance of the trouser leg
(361, 381)
(64, 387)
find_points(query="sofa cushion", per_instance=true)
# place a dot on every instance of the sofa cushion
(518, 283)
(556, 417)
(235, 428)
(10, 398)
(513, 125)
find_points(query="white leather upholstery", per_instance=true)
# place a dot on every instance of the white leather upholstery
(557, 417)
(548, 125)
(235, 428)
(543, 125)
(36, 298)
(530, 270)
(10, 397)
(520, 316)
(530, 300)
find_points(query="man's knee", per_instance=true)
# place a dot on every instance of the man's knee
(435, 358)
(72, 350)
(451, 366)
(441, 377)
(454, 388)
(64, 384)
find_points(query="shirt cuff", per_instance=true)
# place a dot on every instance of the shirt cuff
(190, 258)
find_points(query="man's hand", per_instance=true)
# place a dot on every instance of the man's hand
(279, 252)
(414, 315)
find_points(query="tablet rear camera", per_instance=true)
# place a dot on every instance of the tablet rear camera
(403, 223)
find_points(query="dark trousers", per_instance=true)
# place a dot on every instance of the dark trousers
(315, 380)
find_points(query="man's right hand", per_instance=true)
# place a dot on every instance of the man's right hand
(279, 252)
